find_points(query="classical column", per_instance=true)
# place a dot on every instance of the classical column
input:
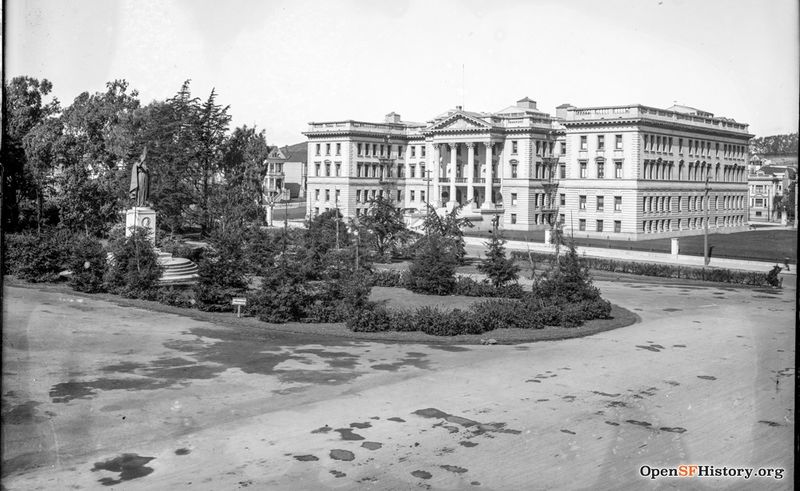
(470, 170)
(434, 174)
(487, 202)
(451, 173)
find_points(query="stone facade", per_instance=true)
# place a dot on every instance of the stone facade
(620, 172)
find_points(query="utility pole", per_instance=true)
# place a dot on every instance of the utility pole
(706, 259)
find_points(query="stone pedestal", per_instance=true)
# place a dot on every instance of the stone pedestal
(675, 246)
(141, 216)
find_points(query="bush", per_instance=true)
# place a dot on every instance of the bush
(772, 278)
(470, 288)
(433, 269)
(87, 263)
(177, 297)
(37, 258)
(499, 268)
(390, 278)
(133, 270)
(221, 272)
(370, 320)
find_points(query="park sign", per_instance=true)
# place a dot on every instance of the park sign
(238, 302)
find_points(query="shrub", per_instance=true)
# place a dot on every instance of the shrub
(390, 278)
(370, 320)
(37, 258)
(470, 288)
(499, 268)
(176, 296)
(434, 267)
(133, 269)
(87, 263)
(221, 272)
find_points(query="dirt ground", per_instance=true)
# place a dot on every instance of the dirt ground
(95, 394)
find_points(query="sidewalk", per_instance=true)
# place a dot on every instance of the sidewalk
(642, 256)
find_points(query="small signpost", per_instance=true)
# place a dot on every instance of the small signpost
(238, 302)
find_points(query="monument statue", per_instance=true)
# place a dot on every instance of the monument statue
(140, 181)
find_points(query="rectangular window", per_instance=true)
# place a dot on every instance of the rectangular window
(562, 171)
(358, 196)
(617, 203)
(563, 148)
(422, 171)
(538, 147)
(338, 193)
(400, 152)
(562, 199)
(422, 151)
(618, 142)
(338, 170)
(513, 218)
(316, 194)
(412, 171)
(583, 170)
(412, 195)
(513, 147)
(327, 195)
(422, 196)
(600, 203)
(327, 149)
(680, 145)
(617, 226)
(599, 225)
(319, 148)
(582, 224)
(399, 195)
(601, 142)
(513, 199)
(327, 170)
(618, 170)
(584, 144)
(359, 150)
(316, 170)
(601, 169)
(513, 171)
(338, 149)
(413, 151)
(366, 150)
(582, 202)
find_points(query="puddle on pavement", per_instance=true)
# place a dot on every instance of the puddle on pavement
(361, 426)
(182, 451)
(124, 367)
(421, 474)
(323, 429)
(617, 404)
(638, 423)
(568, 432)
(67, 391)
(675, 429)
(25, 413)
(604, 394)
(128, 465)
(347, 434)
(653, 347)
(413, 361)
(339, 454)
(534, 380)
(678, 345)
(306, 458)
(396, 419)
(476, 427)
(336, 473)
(672, 383)
(612, 423)
(770, 423)
(467, 443)
(448, 347)
(707, 377)
(454, 468)
(672, 309)
(334, 359)
(372, 445)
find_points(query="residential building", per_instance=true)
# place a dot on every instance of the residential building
(657, 172)
(767, 185)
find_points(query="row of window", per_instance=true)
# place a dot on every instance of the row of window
(666, 225)
(692, 172)
(664, 144)
(599, 203)
(659, 204)
(540, 147)
(337, 169)
(540, 200)
(600, 169)
(317, 194)
(600, 141)
(599, 225)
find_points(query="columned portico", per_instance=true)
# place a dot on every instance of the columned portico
(451, 175)
(470, 171)
(487, 165)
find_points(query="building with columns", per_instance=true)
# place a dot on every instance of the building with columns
(624, 172)
(640, 172)
(493, 163)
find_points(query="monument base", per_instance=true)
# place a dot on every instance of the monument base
(141, 216)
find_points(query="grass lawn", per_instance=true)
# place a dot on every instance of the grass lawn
(763, 245)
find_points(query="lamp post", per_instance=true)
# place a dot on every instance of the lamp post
(706, 259)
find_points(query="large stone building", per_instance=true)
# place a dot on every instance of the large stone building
(639, 172)
(768, 184)
(620, 172)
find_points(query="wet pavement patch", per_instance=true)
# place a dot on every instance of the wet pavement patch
(673, 429)
(604, 394)
(347, 434)
(468, 444)
(672, 383)
(360, 426)
(612, 423)
(336, 473)
(454, 468)
(372, 445)
(448, 347)
(323, 429)
(568, 432)
(412, 361)
(534, 380)
(396, 419)
(678, 345)
(306, 458)
(421, 474)
(707, 377)
(569, 398)
(67, 391)
(182, 451)
(672, 309)
(638, 423)
(24, 413)
(474, 426)
(334, 359)
(124, 367)
(345, 455)
(325, 377)
(128, 465)
(770, 423)
(652, 347)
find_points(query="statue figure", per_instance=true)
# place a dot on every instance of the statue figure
(140, 181)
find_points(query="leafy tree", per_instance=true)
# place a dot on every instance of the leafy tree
(210, 125)
(788, 200)
(384, 224)
(499, 268)
(222, 271)
(569, 282)
(24, 107)
(133, 270)
(87, 262)
(450, 227)
(86, 204)
(434, 266)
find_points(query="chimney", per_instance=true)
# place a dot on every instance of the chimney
(459, 108)
(392, 117)
(527, 103)
(561, 111)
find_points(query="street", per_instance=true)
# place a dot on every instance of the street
(95, 394)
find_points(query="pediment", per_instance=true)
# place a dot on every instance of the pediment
(460, 122)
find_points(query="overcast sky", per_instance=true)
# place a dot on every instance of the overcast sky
(282, 63)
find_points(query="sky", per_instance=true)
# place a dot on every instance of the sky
(280, 64)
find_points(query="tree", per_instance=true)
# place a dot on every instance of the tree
(384, 224)
(499, 268)
(222, 270)
(133, 270)
(788, 200)
(24, 107)
(450, 227)
(210, 125)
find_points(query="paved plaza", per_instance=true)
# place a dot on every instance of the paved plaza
(96, 394)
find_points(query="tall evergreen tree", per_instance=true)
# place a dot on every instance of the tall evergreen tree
(497, 266)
